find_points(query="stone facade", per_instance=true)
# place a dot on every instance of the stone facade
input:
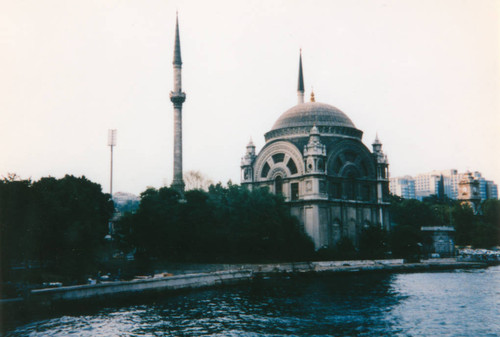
(315, 158)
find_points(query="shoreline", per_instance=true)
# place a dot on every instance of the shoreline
(38, 299)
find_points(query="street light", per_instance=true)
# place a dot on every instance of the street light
(111, 144)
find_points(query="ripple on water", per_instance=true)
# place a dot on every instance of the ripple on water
(422, 304)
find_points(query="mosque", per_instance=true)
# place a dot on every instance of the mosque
(314, 158)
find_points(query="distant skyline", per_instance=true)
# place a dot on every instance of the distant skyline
(424, 75)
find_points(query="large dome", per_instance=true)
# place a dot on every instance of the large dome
(301, 118)
(308, 114)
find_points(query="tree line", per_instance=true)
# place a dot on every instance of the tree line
(223, 224)
(56, 225)
(61, 225)
(476, 230)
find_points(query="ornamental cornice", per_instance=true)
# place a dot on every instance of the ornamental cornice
(303, 131)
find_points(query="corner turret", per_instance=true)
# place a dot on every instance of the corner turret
(247, 163)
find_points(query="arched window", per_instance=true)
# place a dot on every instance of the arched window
(278, 158)
(265, 170)
(291, 166)
(278, 185)
(321, 165)
(350, 186)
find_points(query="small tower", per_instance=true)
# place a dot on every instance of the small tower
(177, 97)
(468, 192)
(314, 159)
(382, 165)
(315, 153)
(247, 163)
(380, 159)
(300, 86)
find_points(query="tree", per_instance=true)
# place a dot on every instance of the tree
(414, 213)
(408, 216)
(373, 243)
(19, 225)
(224, 224)
(405, 241)
(60, 223)
(491, 211)
(464, 221)
(195, 180)
(74, 215)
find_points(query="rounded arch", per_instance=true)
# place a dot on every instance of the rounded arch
(278, 185)
(279, 163)
(350, 171)
(278, 171)
(348, 154)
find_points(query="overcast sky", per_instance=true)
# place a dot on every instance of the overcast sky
(424, 74)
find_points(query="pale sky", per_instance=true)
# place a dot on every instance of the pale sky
(424, 74)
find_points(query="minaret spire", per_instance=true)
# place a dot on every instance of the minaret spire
(177, 47)
(177, 97)
(300, 86)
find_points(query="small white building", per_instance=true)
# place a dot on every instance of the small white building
(439, 240)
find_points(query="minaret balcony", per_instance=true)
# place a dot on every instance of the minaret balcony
(177, 97)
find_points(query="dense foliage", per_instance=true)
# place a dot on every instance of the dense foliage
(409, 215)
(224, 224)
(58, 225)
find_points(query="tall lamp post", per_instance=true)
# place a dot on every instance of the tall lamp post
(111, 144)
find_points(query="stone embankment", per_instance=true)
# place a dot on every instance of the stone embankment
(235, 274)
(136, 286)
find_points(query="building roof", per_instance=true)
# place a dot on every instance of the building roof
(313, 113)
(298, 121)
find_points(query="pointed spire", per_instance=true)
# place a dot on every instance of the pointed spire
(300, 86)
(376, 141)
(177, 47)
(250, 143)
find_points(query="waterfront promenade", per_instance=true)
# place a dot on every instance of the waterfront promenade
(211, 275)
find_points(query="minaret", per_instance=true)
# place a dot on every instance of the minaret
(300, 86)
(177, 97)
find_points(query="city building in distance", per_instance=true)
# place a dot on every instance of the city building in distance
(403, 187)
(441, 183)
(315, 159)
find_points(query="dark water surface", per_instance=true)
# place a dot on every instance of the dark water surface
(457, 303)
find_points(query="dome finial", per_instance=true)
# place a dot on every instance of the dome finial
(313, 99)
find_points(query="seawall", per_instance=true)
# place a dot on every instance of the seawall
(235, 274)
(130, 288)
